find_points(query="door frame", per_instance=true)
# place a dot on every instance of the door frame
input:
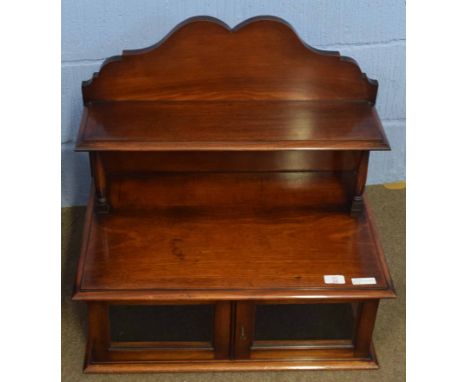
(359, 346)
(102, 349)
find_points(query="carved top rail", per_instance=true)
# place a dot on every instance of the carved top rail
(203, 59)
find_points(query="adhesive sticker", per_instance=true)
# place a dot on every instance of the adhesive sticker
(364, 281)
(334, 279)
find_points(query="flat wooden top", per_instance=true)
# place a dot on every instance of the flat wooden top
(186, 253)
(230, 126)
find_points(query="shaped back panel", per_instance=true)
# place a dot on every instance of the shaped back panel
(203, 59)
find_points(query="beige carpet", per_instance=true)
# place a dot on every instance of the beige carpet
(389, 336)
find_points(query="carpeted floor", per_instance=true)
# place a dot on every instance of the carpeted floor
(389, 335)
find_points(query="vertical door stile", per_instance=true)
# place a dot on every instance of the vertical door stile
(244, 329)
(222, 330)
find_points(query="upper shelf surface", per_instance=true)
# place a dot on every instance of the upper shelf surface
(231, 126)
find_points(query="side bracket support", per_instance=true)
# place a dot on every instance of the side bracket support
(102, 205)
(357, 203)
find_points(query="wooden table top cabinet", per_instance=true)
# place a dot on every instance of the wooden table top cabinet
(227, 226)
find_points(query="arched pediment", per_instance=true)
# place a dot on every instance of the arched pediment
(204, 59)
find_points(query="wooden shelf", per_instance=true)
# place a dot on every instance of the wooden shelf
(229, 169)
(230, 126)
(274, 253)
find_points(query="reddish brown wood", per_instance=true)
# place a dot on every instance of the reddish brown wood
(203, 59)
(84, 240)
(365, 327)
(101, 349)
(180, 295)
(377, 242)
(231, 126)
(264, 355)
(358, 201)
(161, 345)
(157, 355)
(98, 331)
(149, 163)
(234, 366)
(301, 344)
(244, 329)
(359, 346)
(258, 190)
(222, 330)
(197, 248)
(225, 163)
(304, 354)
(100, 182)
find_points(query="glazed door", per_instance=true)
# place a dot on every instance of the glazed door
(302, 330)
(161, 332)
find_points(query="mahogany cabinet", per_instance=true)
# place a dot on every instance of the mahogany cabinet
(227, 226)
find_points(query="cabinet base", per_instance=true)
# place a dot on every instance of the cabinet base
(234, 365)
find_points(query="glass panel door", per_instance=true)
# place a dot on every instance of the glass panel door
(169, 332)
(294, 330)
(161, 323)
(303, 322)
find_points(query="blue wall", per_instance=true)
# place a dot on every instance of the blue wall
(370, 31)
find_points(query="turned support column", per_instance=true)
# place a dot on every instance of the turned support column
(357, 203)
(102, 205)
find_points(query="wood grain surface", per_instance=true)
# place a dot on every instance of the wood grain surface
(203, 59)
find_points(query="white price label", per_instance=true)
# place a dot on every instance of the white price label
(334, 279)
(364, 281)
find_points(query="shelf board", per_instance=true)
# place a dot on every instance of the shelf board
(230, 126)
(181, 253)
